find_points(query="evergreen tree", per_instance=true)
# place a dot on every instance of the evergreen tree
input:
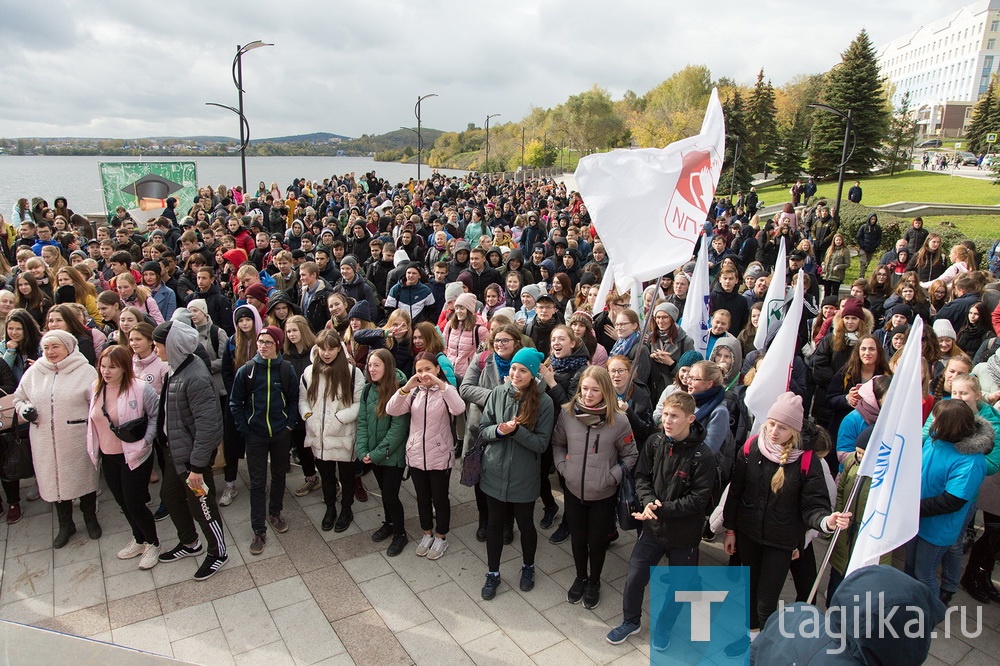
(854, 85)
(902, 135)
(790, 152)
(985, 119)
(737, 140)
(762, 125)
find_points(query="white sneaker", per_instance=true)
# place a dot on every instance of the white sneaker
(228, 495)
(150, 556)
(133, 549)
(437, 548)
(425, 545)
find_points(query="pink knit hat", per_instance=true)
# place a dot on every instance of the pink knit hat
(788, 410)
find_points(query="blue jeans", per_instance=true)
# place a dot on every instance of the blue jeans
(951, 567)
(647, 553)
(922, 560)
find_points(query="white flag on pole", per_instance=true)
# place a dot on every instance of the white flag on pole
(774, 374)
(770, 312)
(893, 460)
(695, 318)
(649, 205)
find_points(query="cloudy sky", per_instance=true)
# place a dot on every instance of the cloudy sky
(128, 68)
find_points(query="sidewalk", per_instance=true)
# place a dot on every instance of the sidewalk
(320, 597)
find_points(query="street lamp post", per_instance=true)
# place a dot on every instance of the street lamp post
(244, 131)
(238, 80)
(736, 160)
(844, 155)
(522, 149)
(487, 169)
(420, 142)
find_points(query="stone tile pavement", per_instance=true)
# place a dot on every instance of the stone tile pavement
(318, 597)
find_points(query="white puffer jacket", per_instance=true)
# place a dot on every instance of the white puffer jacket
(331, 425)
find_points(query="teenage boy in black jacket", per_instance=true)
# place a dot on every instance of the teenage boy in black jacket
(674, 479)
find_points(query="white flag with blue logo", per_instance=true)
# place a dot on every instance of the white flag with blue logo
(893, 460)
(695, 318)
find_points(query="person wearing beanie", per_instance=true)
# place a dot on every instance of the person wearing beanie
(684, 363)
(777, 491)
(944, 329)
(354, 284)
(529, 297)
(256, 295)
(464, 333)
(165, 297)
(410, 294)
(264, 402)
(517, 423)
(190, 422)
(667, 343)
(833, 351)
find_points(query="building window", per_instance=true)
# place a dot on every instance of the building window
(991, 43)
(994, 26)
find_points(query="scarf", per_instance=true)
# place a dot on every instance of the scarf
(623, 346)
(772, 451)
(868, 407)
(568, 365)
(503, 365)
(590, 416)
(707, 401)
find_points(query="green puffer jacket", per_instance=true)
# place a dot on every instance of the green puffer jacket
(512, 464)
(381, 438)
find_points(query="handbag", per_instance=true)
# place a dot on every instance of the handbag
(472, 463)
(130, 431)
(15, 461)
(8, 416)
(628, 501)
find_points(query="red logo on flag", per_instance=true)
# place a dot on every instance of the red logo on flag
(689, 203)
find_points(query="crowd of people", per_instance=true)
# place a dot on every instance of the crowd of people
(351, 325)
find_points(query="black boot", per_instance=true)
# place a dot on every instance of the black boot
(972, 581)
(88, 506)
(329, 518)
(64, 511)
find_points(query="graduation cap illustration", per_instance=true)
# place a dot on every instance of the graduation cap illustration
(151, 191)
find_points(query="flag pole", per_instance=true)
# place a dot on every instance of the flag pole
(646, 328)
(833, 539)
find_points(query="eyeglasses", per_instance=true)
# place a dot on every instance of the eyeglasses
(692, 378)
(617, 371)
(623, 324)
(265, 343)
(503, 341)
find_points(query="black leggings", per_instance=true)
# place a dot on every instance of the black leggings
(431, 488)
(233, 445)
(484, 511)
(768, 570)
(804, 572)
(590, 524)
(548, 500)
(329, 470)
(12, 489)
(984, 552)
(306, 457)
(389, 481)
(130, 488)
(498, 512)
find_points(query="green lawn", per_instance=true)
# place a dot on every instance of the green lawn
(908, 186)
(972, 226)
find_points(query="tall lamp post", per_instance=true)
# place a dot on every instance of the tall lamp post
(244, 125)
(487, 169)
(244, 133)
(420, 142)
(844, 155)
(736, 160)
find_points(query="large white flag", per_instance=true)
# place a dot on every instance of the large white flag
(770, 312)
(774, 374)
(893, 460)
(649, 205)
(695, 318)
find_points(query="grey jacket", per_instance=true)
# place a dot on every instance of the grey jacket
(477, 384)
(587, 457)
(192, 417)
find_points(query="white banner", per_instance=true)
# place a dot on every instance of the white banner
(774, 374)
(649, 205)
(695, 319)
(893, 460)
(771, 308)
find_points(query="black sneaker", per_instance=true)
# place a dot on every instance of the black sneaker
(490, 588)
(592, 595)
(708, 534)
(575, 593)
(527, 577)
(180, 551)
(548, 517)
(560, 535)
(397, 545)
(210, 566)
(161, 513)
(383, 533)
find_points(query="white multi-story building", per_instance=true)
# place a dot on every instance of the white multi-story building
(945, 66)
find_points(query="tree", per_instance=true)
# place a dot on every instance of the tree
(985, 119)
(855, 85)
(590, 120)
(672, 110)
(791, 146)
(902, 135)
(762, 125)
(537, 154)
(736, 140)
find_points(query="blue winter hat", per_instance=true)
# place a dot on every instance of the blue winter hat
(529, 358)
(688, 359)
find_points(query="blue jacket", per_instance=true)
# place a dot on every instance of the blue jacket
(166, 301)
(37, 247)
(264, 397)
(850, 428)
(411, 299)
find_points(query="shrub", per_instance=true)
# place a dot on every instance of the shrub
(854, 215)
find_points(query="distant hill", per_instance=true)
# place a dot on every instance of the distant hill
(396, 140)
(315, 137)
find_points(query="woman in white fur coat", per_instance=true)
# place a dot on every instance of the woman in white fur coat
(54, 396)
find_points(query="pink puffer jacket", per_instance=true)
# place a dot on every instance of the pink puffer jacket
(460, 346)
(430, 444)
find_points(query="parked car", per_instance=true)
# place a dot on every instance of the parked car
(930, 143)
(966, 158)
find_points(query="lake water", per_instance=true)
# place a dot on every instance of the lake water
(77, 178)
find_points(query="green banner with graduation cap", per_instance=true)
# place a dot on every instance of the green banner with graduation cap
(142, 188)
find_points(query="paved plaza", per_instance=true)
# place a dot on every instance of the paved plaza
(320, 597)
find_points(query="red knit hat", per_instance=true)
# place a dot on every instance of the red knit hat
(257, 291)
(852, 309)
(275, 333)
